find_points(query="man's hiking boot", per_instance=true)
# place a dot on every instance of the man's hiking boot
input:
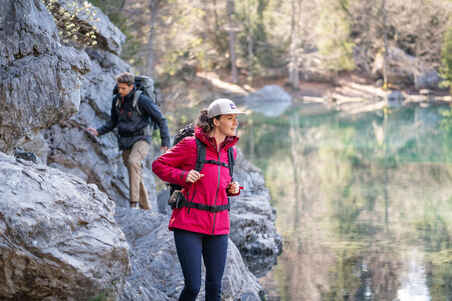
(134, 206)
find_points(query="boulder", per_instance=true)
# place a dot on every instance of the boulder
(156, 272)
(394, 99)
(428, 79)
(405, 69)
(270, 100)
(58, 236)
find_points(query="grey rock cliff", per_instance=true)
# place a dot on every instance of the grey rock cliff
(109, 36)
(96, 160)
(58, 236)
(40, 78)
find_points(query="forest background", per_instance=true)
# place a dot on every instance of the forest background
(250, 43)
(249, 39)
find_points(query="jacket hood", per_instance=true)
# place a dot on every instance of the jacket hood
(228, 142)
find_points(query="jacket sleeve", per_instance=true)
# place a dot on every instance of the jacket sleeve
(112, 123)
(235, 160)
(168, 166)
(153, 111)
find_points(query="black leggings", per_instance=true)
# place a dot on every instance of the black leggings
(190, 246)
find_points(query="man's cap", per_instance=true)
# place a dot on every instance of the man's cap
(222, 106)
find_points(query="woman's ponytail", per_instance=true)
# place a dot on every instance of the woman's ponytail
(205, 122)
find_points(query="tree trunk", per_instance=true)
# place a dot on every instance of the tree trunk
(385, 42)
(122, 4)
(261, 6)
(217, 26)
(232, 38)
(250, 56)
(294, 77)
(250, 42)
(154, 6)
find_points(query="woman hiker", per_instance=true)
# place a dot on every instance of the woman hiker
(200, 222)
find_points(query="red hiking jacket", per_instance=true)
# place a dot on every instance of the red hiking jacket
(173, 167)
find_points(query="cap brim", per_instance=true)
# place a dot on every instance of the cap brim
(231, 112)
(236, 112)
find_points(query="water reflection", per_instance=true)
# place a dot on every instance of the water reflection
(364, 202)
(414, 280)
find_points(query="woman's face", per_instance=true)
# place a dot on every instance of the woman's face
(227, 124)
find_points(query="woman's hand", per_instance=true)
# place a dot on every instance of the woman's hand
(193, 176)
(233, 188)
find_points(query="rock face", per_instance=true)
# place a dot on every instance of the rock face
(58, 236)
(109, 36)
(96, 160)
(40, 78)
(406, 70)
(156, 273)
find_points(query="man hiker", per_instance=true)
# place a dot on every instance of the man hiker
(132, 115)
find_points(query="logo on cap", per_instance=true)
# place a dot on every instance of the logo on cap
(232, 106)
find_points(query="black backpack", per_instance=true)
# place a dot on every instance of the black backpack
(188, 131)
(143, 85)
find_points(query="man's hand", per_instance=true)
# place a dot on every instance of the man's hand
(92, 131)
(163, 149)
(193, 176)
(233, 188)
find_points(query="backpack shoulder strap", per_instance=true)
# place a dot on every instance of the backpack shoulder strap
(117, 102)
(201, 158)
(231, 162)
(135, 105)
(200, 155)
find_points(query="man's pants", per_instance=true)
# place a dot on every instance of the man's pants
(133, 160)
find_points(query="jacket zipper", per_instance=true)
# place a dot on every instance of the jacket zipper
(216, 194)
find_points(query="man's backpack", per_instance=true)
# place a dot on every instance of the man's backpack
(143, 85)
(188, 131)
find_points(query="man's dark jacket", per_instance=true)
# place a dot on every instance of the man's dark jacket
(131, 125)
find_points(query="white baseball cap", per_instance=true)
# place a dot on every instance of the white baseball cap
(222, 106)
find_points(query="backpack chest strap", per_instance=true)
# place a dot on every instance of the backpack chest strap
(215, 162)
(135, 106)
(201, 158)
